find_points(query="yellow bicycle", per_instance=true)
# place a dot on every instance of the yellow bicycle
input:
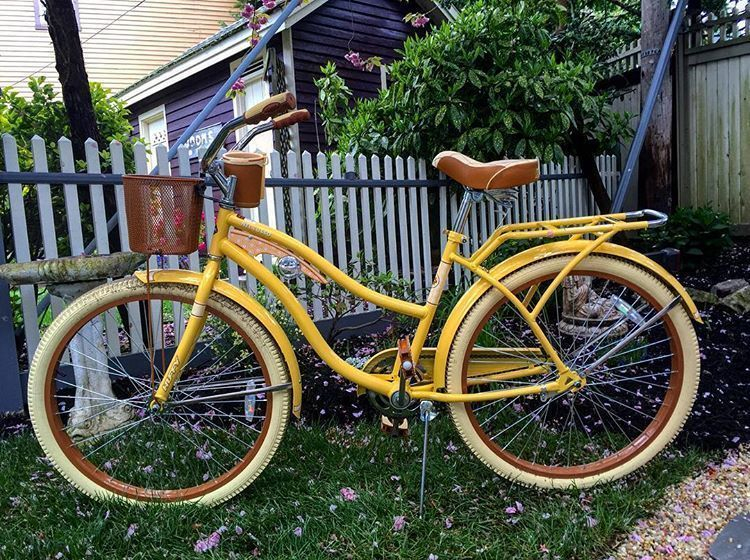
(571, 363)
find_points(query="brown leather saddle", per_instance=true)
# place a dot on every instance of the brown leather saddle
(502, 174)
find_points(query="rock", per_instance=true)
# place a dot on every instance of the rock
(728, 287)
(739, 301)
(701, 296)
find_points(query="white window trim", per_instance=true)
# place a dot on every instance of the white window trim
(252, 74)
(144, 119)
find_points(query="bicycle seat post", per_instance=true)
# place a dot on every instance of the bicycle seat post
(462, 216)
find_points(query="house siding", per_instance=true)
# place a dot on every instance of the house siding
(183, 101)
(118, 52)
(369, 27)
(378, 30)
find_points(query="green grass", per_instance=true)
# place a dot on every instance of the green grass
(43, 516)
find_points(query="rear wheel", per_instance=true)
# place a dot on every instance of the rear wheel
(94, 374)
(633, 403)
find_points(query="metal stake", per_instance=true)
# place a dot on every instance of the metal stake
(426, 413)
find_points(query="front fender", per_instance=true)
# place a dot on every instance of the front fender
(530, 256)
(253, 307)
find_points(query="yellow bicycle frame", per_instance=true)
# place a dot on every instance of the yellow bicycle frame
(600, 228)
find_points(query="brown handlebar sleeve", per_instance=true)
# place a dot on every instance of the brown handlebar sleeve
(291, 118)
(273, 107)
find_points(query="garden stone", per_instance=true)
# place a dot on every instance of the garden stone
(739, 301)
(733, 542)
(728, 287)
(701, 296)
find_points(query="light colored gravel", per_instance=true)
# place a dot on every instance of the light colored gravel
(694, 512)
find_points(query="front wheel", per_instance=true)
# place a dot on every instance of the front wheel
(634, 401)
(94, 375)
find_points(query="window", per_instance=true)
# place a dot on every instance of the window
(40, 9)
(153, 128)
(256, 90)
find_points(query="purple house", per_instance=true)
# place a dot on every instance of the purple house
(163, 103)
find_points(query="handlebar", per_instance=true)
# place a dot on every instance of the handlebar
(290, 119)
(270, 108)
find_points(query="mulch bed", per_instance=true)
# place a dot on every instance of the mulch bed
(721, 415)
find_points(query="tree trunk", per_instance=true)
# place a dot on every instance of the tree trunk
(655, 164)
(62, 24)
(587, 159)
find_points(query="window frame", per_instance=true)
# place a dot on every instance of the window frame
(145, 119)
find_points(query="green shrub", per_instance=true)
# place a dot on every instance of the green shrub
(700, 234)
(504, 78)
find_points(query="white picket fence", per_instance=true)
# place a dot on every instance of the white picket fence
(388, 226)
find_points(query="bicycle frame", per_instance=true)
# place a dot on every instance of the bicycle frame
(601, 228)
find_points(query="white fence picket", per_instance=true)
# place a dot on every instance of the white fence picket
(413, 223)
(403, 222)
(312, 228)
(366, 220)
(424, 204)
(21, 244)
(390, 210)
(325, 209)
(46, 213)
(338, 194)
(377, 195)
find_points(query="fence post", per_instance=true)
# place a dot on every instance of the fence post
(11, 396)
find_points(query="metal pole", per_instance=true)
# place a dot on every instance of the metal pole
(640, 135)
(236, 75)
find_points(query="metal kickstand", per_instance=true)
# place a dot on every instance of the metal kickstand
(427, 414)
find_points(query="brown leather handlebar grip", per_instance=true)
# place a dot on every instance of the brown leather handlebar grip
(291, 118)
(273, 107)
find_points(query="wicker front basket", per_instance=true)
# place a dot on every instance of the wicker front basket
(164, 214)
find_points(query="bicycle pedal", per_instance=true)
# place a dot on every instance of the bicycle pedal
(388, 427)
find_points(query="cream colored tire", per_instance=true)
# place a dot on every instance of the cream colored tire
(108, 294)
(660, 292)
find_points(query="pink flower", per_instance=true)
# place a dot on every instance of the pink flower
(355, 59)
(209, 543)
(451, 447)
(399, 521)
(202, 454)
(543, 548)
(132, 528)
(248, 11)
(269, 4)
(514, 509)
(348, 494)
(420, 21)
(239, 85)
(448, 522)
(298, 532)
